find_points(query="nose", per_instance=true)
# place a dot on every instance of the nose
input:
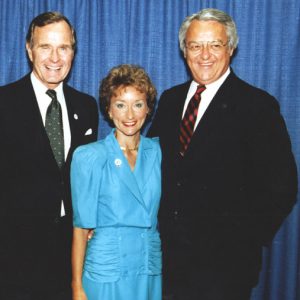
(130, 113)
(54, 55)
(205, 52)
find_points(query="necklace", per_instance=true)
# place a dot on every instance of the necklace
(135, 148)
(130, 149)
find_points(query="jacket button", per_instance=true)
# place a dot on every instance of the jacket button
(176, 215)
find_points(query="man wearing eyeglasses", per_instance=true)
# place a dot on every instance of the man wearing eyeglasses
(229, 175)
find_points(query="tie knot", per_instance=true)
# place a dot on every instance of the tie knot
(51, 94)
(200, 89)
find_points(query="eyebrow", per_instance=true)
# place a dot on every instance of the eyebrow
(216, 40)
(49, 44)
(134, 100)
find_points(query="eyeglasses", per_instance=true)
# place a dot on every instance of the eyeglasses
(213, 46)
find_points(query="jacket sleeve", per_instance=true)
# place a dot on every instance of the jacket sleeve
(273, 182)
(157, 122)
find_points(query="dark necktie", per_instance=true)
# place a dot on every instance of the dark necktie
(188, 122)
(54, 128)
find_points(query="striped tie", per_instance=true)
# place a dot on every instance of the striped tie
(188, 122)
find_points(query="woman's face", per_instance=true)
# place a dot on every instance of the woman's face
(128, 110)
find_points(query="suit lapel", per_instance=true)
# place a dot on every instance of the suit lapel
(214, 113)
(73, 116)
(145, 162)
(29, 109)
(33, 123)
(120, 165)
(176, 112)
(178, 109)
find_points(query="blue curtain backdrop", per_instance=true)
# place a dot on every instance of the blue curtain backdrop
(111, 32)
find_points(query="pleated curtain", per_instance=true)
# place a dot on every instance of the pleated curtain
(145, 32)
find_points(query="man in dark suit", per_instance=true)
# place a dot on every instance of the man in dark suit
(229, 176)
(35, 204)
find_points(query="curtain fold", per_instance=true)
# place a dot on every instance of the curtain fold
(145, 32)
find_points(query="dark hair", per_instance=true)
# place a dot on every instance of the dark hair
(123, 76)
(47, 18)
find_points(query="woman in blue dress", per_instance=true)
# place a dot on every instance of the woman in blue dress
(116, 189)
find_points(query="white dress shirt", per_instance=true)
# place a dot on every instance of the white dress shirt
(206, 96)
(43, 101)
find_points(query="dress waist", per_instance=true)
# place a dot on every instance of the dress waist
(122, 251)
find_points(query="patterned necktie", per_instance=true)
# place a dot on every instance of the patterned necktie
(54, 128)
(188, 122)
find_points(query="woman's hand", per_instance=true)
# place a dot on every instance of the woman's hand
(78, 293)
(80, 239)
(90, 234)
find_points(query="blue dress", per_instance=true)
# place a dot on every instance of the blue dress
(123, 259)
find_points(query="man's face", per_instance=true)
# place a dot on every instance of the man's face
(51, 53)
(207, 64)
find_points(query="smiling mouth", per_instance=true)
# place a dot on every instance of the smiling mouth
(129, 124)
(206, 65)
(53, 68)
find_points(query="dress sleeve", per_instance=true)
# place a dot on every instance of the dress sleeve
(86, 174)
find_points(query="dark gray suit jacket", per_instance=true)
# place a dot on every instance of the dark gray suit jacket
(35, 241)
(228, 196)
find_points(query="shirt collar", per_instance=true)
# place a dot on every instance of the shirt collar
(216, 84)
(40, 88)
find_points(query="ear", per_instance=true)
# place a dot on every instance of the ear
(29, 51)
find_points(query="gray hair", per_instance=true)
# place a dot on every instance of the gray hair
(210, 14)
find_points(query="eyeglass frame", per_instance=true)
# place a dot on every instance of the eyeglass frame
(209, 44)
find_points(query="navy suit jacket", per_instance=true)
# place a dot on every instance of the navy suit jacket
(36, 250)
(229, 194)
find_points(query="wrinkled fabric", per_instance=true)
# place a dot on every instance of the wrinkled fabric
(123, 258)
